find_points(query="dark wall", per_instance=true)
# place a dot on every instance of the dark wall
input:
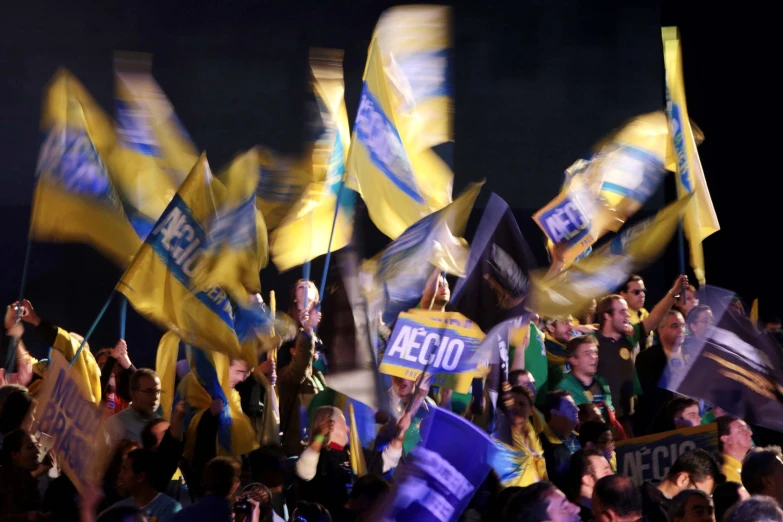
(537, 83)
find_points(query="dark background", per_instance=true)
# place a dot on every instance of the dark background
(536, 84)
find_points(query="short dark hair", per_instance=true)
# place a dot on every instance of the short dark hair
(575, 342)
(528, 504)
(591, 431)
(138, 374)
(143, 461)
(552, 401)
(15, 409)
(267, 465)
(631, 279)
(578, 467)
(724, 497)
(759, 508)
(724, 427)
(514, 374)
(220, 475)
(605, 306)
(680, 501)
(694, 313)
(759, 463)
(620, 494)
(698, 464)
(148, 439)
(678, 405)
(12, 443)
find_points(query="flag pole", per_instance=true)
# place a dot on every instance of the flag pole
(123, 315)
(94, 325)
(13, 341)
(329, 247)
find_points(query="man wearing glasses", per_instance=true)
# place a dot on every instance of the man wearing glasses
(634, 293)
(145, 399)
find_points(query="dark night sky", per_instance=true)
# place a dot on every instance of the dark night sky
(536, 84)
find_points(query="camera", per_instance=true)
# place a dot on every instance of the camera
(243, 507)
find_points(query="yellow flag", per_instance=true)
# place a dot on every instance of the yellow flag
(571, 291)
(390, 163)
(754, 313)
(700, 221)
(77, 198)
(358, 465)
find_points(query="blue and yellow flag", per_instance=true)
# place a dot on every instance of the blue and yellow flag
(167, 283)
(403, 111)
(571, 291)
(208, 380)
(700, 221)
(77, 198)
(282, 182)
(305, 232)
(146, 122)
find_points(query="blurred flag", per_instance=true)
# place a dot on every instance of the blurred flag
(405, 109)
(282, 182)
(358, 465)
(736, 367)
(209, 380)
(76, 196)
(402, 269)
(161, 281)
(571, 291)
(754, 313)
(305, 232)
(147, 125)
(166, 368)
(700, 221)
(600, 193)
(497, 278)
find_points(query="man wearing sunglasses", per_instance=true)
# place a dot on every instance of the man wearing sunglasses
(634, 292)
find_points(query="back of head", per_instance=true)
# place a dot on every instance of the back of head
(529, 504)
(15, 409)
(8, 389)
(221, 476)
(591, 431)
(310, 512)
(148, 438)
(756, 509)
(368, 491)
(143, 461)
(698, 464)
(619, 494)
(679, 503)
(267, 465)
(725, 496)
(122, 514)
(12, 443)
(759, 463)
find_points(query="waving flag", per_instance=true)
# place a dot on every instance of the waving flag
(77, 198)
(403, 111)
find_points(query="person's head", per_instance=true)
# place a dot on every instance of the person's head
(436, 291)
(8, 389)
(726, 496)
(735, 437)
(20, 450)
(694, 469)
(762, 472)
(634, 292)
(561, 412)
(18, 412)
(691, 301)
(540, 502)
(221, 476)
(699, 320)
(597, 435)
(267, 465)
(238, 371)
(560, 329)
(135, 471)
(587, 466)
(367, 493)
(683, 412)
(613, 315)
(145, 391)
(303, 291)
(153, 432)
(616, 499)
(589, 412)
(122, 449)
(758, 508)
(582, 355)
(403, 387)
(691, 505)
(310, 512)
(774, 325)
(671, 331)
(123, 513)
(339, 434)
(522, 378)
(522, 405)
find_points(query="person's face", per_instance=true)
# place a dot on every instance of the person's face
(620, 316)
(526, 380)
(569, 412)
(600, 469)
(740, 436)
(559, 509)
(339, 433)
(27, 457)
(702, 324)
(560, 330)
(146, 398)
(672, 333)
(688, 417)
(604, 444)
(300, 296)
(521, 408)
(403, 387)
(585, 360)
(635, 295)
(159, 430)
(126, 478)
(690, 301)
(685, 481)
(697, 509)
(238, 371)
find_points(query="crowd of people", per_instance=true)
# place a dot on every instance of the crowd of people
(603, 386)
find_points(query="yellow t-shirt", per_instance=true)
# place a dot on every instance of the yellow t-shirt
(638, 317)
(732, 468)
(535, 470)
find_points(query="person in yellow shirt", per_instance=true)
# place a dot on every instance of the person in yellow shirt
(735, 440)
(634, 292)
